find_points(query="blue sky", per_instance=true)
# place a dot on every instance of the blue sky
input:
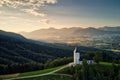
(58, 14)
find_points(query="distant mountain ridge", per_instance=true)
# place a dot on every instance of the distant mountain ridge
(97, 31)
(106, 28)
(53, 34)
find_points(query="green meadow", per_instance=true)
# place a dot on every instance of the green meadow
(106, 63)
(49, 77)
(30, 73)
(39, 72)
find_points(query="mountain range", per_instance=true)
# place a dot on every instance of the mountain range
(66, 34)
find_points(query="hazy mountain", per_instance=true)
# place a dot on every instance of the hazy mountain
(50, 33)
(90, 31)
(106, 28)
(60, 35)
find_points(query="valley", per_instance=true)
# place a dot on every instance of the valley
(103, 38)
(23, 57)
(59, 39)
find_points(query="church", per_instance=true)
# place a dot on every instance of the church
(78, 59)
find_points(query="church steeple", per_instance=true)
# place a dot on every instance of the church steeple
(76, 56)
(75, 49)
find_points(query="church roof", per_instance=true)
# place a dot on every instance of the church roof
(86, 58)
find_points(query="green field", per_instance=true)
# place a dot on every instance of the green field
(106, 63)
(49, 77)
(30, 73)
(114, 50)
(39, 72)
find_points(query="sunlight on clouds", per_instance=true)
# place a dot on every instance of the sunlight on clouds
(35, 12)
(51, 1)
(0, 5)
(46, 21)
(30, 6)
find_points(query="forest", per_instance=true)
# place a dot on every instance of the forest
(93, 72)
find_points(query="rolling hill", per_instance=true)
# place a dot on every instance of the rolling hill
(19, 54)
(15, 48)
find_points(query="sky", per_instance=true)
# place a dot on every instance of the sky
(30, 15)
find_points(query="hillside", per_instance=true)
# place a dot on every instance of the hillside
(102, 70)
(18, 52)
(17, 49)
(99, 71)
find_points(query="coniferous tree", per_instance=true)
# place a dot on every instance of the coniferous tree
(85, 70)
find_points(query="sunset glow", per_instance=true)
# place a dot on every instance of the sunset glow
(30, 15)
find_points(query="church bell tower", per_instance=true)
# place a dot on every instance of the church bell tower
(76, 56)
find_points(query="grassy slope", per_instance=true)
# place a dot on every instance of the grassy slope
(39, 72)
(55, 77)
(9, 76)
(29, 73)
(49, 77)
(48, 70)
(106, 63)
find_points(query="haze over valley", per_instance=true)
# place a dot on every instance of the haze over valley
(103, 37)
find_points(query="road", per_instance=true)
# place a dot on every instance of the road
(52, 72)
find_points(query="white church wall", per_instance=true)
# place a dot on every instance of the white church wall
(80, 62)
(90, 61)
(77, 58)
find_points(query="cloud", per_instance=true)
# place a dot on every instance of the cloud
(35, 12)
(0, 5)
(30, 6)
(46, 21)
(51, 1)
